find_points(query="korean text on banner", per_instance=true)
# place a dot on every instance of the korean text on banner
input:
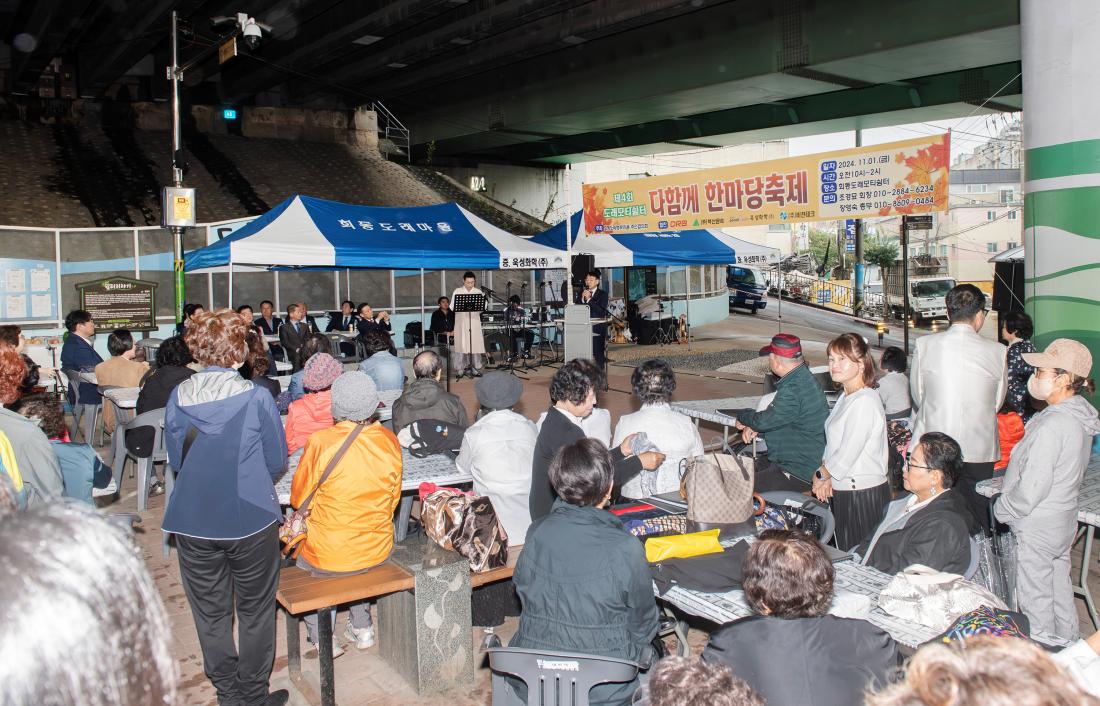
(897, 178)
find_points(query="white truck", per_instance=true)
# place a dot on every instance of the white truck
(926, 296)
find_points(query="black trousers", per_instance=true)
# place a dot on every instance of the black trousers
(769, 476)
(599, 345)
(223, 577)
(972, 473)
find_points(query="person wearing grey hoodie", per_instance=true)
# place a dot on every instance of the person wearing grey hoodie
(1039, 496)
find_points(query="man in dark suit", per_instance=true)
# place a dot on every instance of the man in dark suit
(573, 394)
(268, 322)
(345, 320)
(78, 354)
(293, 333)
(596, 300)
(443, 322)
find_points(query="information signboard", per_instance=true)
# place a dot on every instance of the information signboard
(120, 302)
(898, 178)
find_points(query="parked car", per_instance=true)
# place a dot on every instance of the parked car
(747, 287)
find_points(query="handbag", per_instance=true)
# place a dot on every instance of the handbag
(442, 513)
(784, 517)
(482, 539)
(682, 546)
(718, 488)
(933, 598)
(294, 528)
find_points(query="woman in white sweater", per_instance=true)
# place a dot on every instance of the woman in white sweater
(853, 471)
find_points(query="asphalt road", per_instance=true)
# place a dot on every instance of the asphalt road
(830, 322)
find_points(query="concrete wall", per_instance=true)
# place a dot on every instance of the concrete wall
(539, 192)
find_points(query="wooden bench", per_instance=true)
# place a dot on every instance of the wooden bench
(300, 592)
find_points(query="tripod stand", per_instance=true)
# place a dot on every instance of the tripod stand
(661, 336)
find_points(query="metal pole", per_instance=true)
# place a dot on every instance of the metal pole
(905, 279)
(858, 267)
(423, 334)
(177, 171)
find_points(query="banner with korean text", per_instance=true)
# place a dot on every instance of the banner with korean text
(897, 178)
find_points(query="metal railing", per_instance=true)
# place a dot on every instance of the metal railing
(393, 129)
(801, 287)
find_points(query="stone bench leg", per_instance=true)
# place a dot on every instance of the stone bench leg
(425, 635)
(326, 696)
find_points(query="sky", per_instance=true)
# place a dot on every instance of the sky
(967, 134)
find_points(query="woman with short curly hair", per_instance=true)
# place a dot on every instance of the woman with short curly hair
(792, 651)
(670, 432)
(35, 461)
(225, 438)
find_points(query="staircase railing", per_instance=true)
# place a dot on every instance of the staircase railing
(393, 129)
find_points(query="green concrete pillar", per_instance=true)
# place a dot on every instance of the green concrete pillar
(1061, 65)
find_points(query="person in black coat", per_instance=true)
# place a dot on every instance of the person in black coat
(596, 301)
(932, 525)
(173, 357)
(293, 333)
(345, 320)
(443, 322)
(792, 651)
(78, 354)
(573, 393)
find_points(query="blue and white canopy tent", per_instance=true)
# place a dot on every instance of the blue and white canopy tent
(307, 233)
(682, 247)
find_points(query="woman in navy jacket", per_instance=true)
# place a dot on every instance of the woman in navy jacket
(224, 436)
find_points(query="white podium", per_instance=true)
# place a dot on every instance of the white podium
(578, 332)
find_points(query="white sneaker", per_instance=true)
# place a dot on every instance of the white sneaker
(362, 637)
(336, 649)
(111, 489)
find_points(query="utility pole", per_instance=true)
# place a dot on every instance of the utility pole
(905, 280)
(857, 268)
(177, 166)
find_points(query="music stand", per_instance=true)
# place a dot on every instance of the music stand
(469, 303)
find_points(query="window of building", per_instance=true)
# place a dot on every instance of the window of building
(943, 251)
(990, 215)
(977, 188)
(1011, 244)
(991, 247)
(779, 227)
(1006, 195)
(1012, 215)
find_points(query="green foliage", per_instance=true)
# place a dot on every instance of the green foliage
(820, 242)
(883, 253)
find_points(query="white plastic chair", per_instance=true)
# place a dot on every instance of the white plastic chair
(153, 418)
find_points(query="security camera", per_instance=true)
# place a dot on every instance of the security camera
(252, 34)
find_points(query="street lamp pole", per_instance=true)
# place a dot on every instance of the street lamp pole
(177, 166)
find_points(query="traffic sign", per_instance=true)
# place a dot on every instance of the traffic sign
(919, 222)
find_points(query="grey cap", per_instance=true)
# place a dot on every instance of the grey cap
(354, 397)
(498, 390)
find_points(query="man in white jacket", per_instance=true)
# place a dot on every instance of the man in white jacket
(958, 383)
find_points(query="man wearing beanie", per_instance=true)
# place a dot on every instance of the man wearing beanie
(351, 516)
(313, 411)
(498, 451)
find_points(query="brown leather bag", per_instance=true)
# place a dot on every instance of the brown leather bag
(482, 540)
(718, 488)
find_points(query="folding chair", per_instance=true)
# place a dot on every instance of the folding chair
(153, 418)
(558, 678)
(89, 412)
(338, 352)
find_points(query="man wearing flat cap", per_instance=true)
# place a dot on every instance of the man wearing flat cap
(793, 424)
(498, 451)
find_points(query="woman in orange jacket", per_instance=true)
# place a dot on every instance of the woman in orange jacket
(351, 514)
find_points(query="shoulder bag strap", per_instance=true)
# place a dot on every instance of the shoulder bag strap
(332, 464)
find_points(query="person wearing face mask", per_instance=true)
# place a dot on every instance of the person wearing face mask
(853, 469)
(1039, 497)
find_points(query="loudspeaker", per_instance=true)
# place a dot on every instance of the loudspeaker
(580, 267)
(1008, 286)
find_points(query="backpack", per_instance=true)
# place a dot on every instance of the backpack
(431, 436)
